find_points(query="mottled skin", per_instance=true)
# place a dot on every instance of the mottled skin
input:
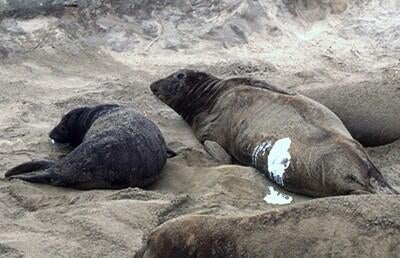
(350, 226)
(115, 147)
(240, 114)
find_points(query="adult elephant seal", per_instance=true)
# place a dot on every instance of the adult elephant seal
(297, 142)
(331, 227)
(369, 110)
(116, 147)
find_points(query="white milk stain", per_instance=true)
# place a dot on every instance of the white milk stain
(53, 141)
(279, 160)
(260, 148)
(275, 197)
(255, 152)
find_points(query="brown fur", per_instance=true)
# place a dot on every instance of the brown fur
(241, 114)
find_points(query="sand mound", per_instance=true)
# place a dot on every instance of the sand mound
(57, 55)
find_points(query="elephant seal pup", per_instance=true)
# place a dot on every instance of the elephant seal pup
(369, 110)
(348, 225)
(297, 142)
(116, 147)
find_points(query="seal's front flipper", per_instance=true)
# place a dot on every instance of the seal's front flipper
(217, 152)
(29, 167)
(42, 177)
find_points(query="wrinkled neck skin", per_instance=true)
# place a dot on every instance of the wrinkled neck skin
(196, 106)
(86, 119)
(203, 95)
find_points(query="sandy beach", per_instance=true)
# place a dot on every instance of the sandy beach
(58, 55)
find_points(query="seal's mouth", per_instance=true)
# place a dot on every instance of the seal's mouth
(56, 137)
(57, 142)
(57, 145)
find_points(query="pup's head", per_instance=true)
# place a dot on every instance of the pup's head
(69, 130)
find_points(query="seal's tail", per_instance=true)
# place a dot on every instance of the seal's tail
(30, 166)
(377, 175)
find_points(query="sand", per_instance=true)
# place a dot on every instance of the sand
(55, 57)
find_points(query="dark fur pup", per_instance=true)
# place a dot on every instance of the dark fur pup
(295, 141)
(116, 147)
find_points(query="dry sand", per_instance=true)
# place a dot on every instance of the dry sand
(54, 58)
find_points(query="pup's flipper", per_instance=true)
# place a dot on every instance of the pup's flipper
(170, 153)
(30, 166)
(42, 177)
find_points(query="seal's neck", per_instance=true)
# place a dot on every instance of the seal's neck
(85, 120)
(200, 98)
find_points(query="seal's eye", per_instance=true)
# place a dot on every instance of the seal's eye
(180, 76)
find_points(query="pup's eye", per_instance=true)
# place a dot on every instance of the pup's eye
(180, 76)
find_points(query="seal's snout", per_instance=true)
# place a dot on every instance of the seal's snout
(53, 136)
(58, 136)
(154, 88)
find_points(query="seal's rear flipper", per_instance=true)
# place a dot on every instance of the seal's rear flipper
(217, 152)
(376, 174)
(42, 177)
(170, 153)
(30, 166)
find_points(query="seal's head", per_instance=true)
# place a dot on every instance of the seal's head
(76, 123)
(68, 130)
(176, 87)
(188, 92)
